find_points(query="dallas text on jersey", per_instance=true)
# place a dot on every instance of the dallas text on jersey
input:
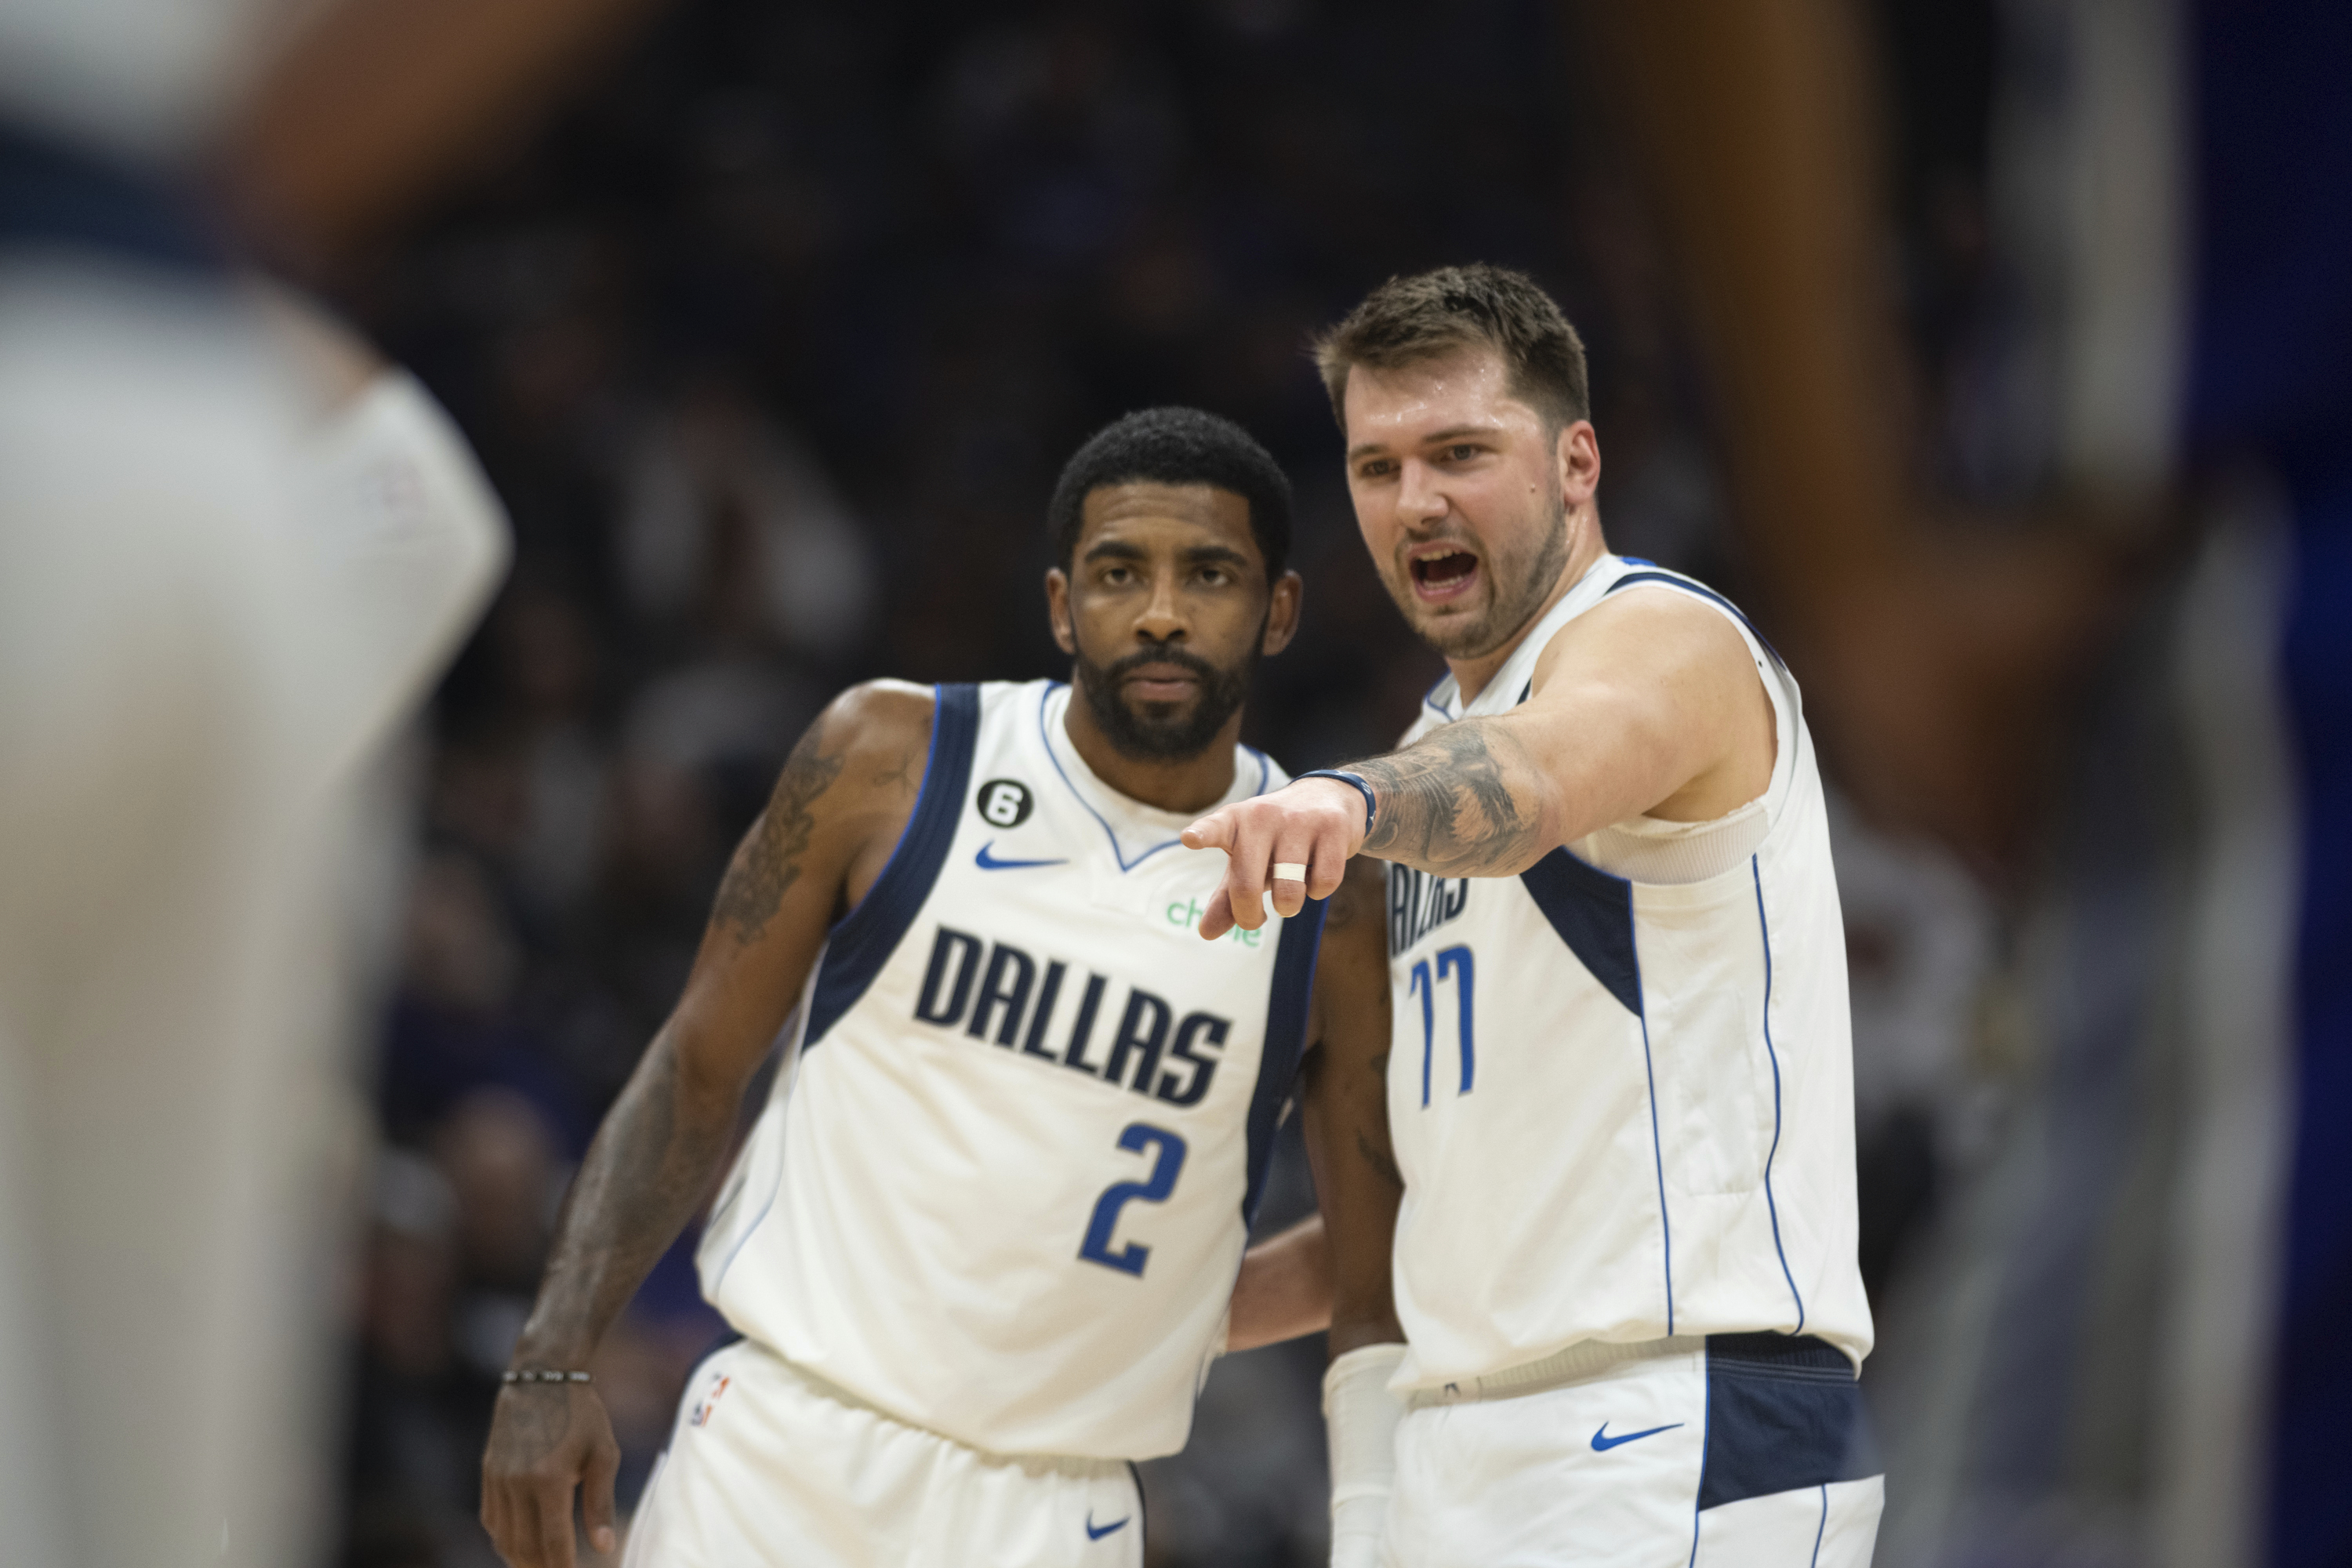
(977, 984)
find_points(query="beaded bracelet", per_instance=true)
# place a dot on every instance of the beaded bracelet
(533, 1375)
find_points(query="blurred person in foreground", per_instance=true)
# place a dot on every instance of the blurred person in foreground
(2125, 1343)
(235, 549)
(983, 1240)
(1621, 1086)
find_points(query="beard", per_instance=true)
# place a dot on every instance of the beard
(1517, 586)
(1164, 731)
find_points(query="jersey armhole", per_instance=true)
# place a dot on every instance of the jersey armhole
(1771, 672)
(863, 940)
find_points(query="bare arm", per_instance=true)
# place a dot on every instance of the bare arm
(1285, 1287)
(1357, 1185)
(1937, 658)
(1649, 703)
(1331, 1270)
(838, 806)
(372, 104)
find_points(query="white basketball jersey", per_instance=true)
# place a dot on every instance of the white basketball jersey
(1624, 1109)
(1004, 1185)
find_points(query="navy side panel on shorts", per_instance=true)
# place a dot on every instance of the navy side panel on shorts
(1781, 1414)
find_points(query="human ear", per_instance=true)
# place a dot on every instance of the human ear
(1577, 458)
(1057, 609)
(1281, 612)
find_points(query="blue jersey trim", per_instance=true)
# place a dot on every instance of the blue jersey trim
(1676, 580)
(1821, 1529)
(1658, 1158)
(1117, 853)
(52, 193)
(1264, 770)
(1593, 913)
(1429, 700)
(1265, 774)
(1285, 1041)
(1764, 929)
(1706, 1443)
(863, 940)
(866, 938)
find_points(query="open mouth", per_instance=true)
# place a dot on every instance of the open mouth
(1443, 571)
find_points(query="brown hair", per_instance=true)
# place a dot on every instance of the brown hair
(1408, 319)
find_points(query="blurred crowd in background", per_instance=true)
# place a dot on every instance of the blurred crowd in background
(773, 343)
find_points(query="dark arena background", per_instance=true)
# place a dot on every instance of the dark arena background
(1996, 354)
(773, 342)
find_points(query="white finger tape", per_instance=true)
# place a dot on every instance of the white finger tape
(1289, 871)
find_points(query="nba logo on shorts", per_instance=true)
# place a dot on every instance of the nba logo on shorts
(708, 1402)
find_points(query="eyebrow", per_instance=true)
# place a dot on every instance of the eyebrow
(1122, 550)
(1435, 439)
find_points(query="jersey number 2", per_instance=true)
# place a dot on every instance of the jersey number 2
(1450, 962)
(1131, 1259)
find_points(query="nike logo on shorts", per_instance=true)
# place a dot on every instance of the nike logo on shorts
(988, 862)
(1094, 1534)
(1602, 1442)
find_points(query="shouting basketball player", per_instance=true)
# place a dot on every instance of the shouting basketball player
(1621, 1086)
(981, 1241)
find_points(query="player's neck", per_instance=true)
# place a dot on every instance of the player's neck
(1180, 784)
(1471, 675)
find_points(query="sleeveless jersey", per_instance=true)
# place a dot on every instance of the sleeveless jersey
(1623, 1109)
(1002, 1187)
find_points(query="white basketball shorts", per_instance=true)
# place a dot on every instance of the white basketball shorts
(1737, 1450)
(769, 1467)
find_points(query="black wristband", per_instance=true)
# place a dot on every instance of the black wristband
(1370, 806)
(536, 1374)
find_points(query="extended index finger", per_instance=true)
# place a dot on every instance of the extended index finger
(1214, 831)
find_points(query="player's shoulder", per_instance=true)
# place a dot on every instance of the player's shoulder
(881, 715)
(1656, 619)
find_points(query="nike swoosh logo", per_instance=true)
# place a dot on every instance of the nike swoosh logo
(1094, 1534)
(988, 862)
(1602, 1442)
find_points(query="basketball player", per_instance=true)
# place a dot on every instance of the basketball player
(981, 1240)
(1621, 1085)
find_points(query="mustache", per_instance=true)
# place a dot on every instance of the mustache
(1182, 659)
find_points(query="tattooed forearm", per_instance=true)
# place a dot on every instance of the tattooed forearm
(652, 1163)
(1446, 804)
(770, 863)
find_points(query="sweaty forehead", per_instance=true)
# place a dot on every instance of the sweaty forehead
(1469, 386)
(1147, 513)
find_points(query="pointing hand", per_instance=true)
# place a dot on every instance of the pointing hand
(1295, 842)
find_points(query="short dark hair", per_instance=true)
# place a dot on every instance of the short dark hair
(1408, 319)
(1175, 447)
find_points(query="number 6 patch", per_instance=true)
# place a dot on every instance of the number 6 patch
(1004, 803)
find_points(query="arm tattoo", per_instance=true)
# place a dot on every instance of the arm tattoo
(768, 866)
(1379, 1162)
(650, 1166)
(904, 774)
(1446, 804)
